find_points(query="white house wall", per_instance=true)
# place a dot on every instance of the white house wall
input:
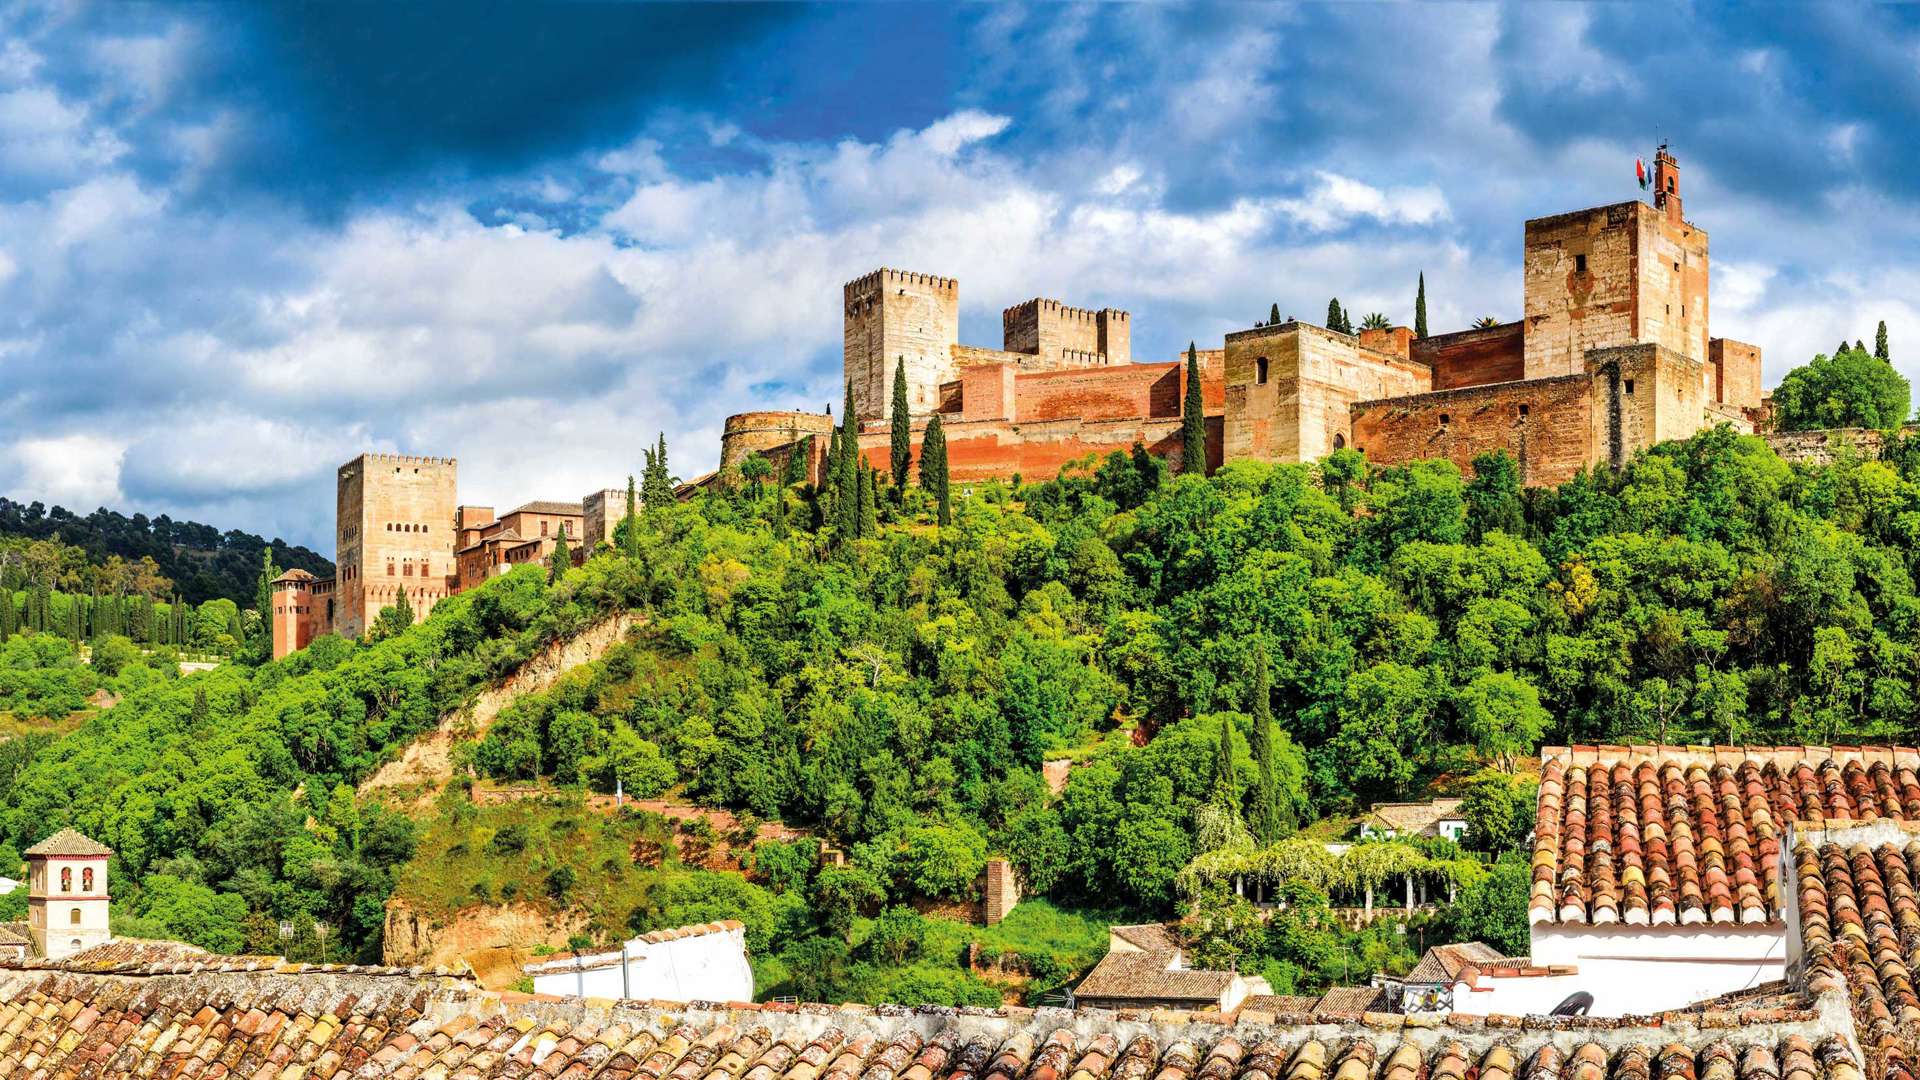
(709, 967)
(1634, 970)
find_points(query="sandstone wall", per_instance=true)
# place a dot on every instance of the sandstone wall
(1545, 424)
(894, 317)
(1053, 331)
(1569, 310)
(758, 432)
(1474, 357)
(394, 530)
(1312, 377)
(1736, 372)
(1672, 285)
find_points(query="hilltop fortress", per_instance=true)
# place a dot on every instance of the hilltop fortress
(1611, 354)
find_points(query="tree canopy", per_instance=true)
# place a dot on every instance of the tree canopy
(1850, 388)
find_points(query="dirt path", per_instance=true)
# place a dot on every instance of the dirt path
(427, 763)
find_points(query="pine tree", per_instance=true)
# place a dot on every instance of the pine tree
(1267, 821)
(1193, 420)
(1420, 308)
(933, 468)
(1880, 343)
(1223, 785)
(902, 458)
(1273, 316)
(561, 559)
(631, 541)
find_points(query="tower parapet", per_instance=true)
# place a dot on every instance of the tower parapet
(899, 318)
(1051, 329)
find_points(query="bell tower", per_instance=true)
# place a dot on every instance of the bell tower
(67, 894)
(1666, 185)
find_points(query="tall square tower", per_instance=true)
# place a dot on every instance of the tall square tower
(896, 317)
(1615, 275)
(394, 530)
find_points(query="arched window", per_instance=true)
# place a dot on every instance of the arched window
(66, 879)
(86, 880)
(73, 917)
(1260, 371)
(1339, 442)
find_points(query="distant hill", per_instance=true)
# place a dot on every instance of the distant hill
(203, 562)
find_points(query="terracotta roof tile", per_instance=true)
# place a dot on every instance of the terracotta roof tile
(68, 842)
(1689, 835)
(1150, 937)
(1860, 922)
(1150, 976)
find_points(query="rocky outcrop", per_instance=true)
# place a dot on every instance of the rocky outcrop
(427, 764)
(416, 939)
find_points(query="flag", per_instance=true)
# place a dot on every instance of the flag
(1640, 172)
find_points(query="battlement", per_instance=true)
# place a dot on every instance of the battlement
(403, 459)
(1057, 310)
(867, 283)
(1082, 358)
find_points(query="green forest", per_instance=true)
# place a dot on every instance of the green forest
(1234, 665)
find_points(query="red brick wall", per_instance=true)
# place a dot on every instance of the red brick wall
(1546, 424)
(997, 449)
(1474, 357)
(1106, 393)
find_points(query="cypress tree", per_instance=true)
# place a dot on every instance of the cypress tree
(561, 559)
(1859, 346)
(846, 478)
(1193, 420)
(870, 503)
(9, 623)
(1267, 824)
(1223, 793)
(1880, 343)
(403, 608)
(933, 468)
(1273, 316)
(656, 482)
(263, 594)
(1420, 308)
(1842, 348)
(1333, 314)
(630, 543)
(198, 715)
(236, 628)
(795, 469)
(902, 430)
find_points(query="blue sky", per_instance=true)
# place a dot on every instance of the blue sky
(240, 244)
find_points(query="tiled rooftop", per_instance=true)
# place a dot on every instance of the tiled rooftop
(67, 842)
(1148, 976)
(1150, 937)
(299, 1022)
(1860, 927)
(1647, 835)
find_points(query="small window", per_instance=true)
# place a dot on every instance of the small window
(73, 917)
(66, 879)
(1629, 387)
(1260, 371)
(1579, 264)
(1443, 419)
(86, 880)
(1523, 410)
(1339, 442)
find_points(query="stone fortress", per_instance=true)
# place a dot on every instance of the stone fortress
(1611, 354)
(399, 527)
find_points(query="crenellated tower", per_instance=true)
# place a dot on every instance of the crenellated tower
(394, 527)
(896, 317)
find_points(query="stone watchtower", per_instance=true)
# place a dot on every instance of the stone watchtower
(67, 894)
(394, 530)
(896, 317)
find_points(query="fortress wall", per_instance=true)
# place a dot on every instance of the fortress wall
(759, 432)
(997, 449)
(1568, 310)
(1736, 372)
(1118, 392)
(1545, 424)
(1474, 357)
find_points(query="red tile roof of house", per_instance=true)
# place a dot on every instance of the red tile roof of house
(290, 1021)
(1659, 835)
(1859, 921)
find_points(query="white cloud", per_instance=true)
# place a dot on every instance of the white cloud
(79, 472)
(949, 136)
(1338, 200)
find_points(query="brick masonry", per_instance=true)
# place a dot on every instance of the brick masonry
(1003, 891)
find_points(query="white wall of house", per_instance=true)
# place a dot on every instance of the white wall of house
(1635, 969)
(706, 967)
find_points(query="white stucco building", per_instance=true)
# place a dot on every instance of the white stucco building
(67, 895)
(704, 962)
